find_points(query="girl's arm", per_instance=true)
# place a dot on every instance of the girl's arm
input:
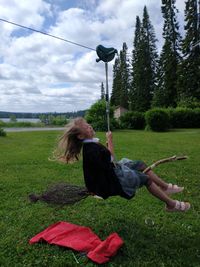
(109, 142)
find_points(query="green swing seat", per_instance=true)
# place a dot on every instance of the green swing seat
(105, 54)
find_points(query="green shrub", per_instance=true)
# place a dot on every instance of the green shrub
(115, 124)
(99, 125)
(24, 124)
(196, 117)
(59, 121)
(2, 132)
(189, 102)
(132, 120)
(2, 123)
(13, 118)
(184, 118)
(157, 119)
(97, 117)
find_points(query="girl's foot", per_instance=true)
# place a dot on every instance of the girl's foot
(179, 206)
(173, 188)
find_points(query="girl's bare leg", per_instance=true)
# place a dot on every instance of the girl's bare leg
(153, 177)
(155, 190)
(157, 180)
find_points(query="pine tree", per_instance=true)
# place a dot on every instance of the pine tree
(150, 39)
(166, 92)
(167, 77)
(124, 71)
(115, 95)
(119, 96)
(102, 91)
(144, 64)
(135, 69)
(189, 73)
(150, 57)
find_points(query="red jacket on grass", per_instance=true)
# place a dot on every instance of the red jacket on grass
(82, 239)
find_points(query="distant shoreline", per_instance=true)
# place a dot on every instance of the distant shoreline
(32, 120)
(33, 129)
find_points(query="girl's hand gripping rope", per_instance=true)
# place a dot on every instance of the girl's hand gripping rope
(109, 142)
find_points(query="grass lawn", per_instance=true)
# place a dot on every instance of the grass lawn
(172, 240)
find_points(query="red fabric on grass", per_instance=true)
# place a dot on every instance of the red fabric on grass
(82, 239)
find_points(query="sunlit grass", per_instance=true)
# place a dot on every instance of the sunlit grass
(171, 240)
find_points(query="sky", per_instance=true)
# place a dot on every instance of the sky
(42, 74)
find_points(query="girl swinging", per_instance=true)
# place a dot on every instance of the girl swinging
(105, 178)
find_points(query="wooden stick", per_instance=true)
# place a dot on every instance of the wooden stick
(173, 158)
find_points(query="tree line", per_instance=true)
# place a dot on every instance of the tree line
(148, 79)
(18, 115)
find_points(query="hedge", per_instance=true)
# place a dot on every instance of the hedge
(157, 119)
(184, 118)
(132, 120)
(2, 132)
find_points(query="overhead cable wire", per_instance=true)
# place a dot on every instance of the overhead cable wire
(45, 33)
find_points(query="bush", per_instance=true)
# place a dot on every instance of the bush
(196, 118)
(189, 102)
(2, 123)
(115, 124)
(13, 118)
(23, 124)
(97, 117)
(19, 124)
(132, 120)
(184, 118)
(59, 121)
(2, 132)
(157, 120)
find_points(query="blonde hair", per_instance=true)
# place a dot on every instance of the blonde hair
(69, 145)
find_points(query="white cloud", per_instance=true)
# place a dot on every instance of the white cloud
(39, 73)
(24, 12)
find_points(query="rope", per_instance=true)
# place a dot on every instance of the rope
(45, 33)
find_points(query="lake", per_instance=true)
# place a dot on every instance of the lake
(21, 120)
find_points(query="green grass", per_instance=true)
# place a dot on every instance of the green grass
(19, 124)
(173, 240)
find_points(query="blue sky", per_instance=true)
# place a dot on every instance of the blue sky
(41, 74)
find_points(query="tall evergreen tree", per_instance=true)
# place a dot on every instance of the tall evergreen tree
(119, 96)
(124, 71)
(134, 90)
(150, 38)
(150, 59)
(166, 92)
(115, 95)
(189, 73)
(144, 64)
